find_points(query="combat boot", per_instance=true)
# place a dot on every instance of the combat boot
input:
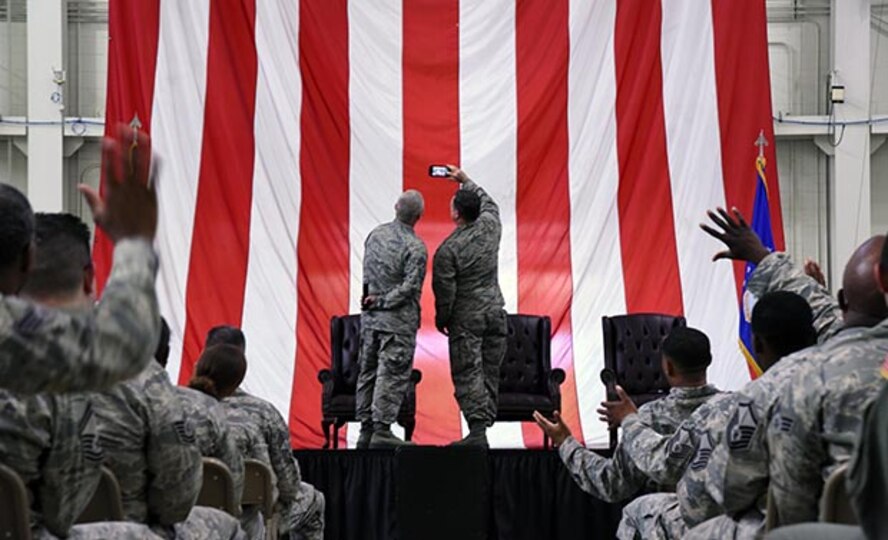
(384, 438)
(365, 436)
(477, 436)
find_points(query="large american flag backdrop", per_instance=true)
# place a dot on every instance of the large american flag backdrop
(286, 130)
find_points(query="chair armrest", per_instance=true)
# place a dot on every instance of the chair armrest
(557, 377)
(415, 376)
(325, 377)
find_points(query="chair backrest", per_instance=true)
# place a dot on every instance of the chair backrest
(15, 515)
(527, 361)
(835, 505)
(217, 490)
(106, 504)
(632, 350)
(258, 486)
(345, 346)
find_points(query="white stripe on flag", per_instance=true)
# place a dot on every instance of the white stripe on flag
(177, 135)
(269, 313)
(594, 179)
(376, 176)
(488, 119)
(690, 108)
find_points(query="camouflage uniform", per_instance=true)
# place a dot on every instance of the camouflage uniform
(776, 272)
(618, 478)
(151, 448)
(731, 476)
(300, 503)
(118, 530)
(818, 420)
(469, 303)
(251, 445)
(43, 350)
(664, 459)
(51, 442)
(720, 475)
(394, 269)
(651, 517)
(213, 434)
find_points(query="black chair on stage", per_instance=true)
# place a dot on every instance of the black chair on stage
(340, 382)
(527, 381)
(632, 351)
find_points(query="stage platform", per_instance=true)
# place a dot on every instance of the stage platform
(431, 493)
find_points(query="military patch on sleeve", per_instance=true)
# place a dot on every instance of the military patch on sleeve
(704, 452)
(31, 321)
(742, 427)
(681, 447)
(185, 431)
(781, 421)
(884, 369)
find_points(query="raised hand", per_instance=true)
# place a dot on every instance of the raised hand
(614, 412)
(813, 270)
(742, 242)
(557, 430)
(129, 209)
(457, 174)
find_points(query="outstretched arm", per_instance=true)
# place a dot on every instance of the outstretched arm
(489, 208)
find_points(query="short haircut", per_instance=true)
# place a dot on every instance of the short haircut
(62, 256)
(410, 206)
(162, 353)
(16, 225)
(219, 368)
(688, 349)
(226, 335)
(468, 204)
(784, 321)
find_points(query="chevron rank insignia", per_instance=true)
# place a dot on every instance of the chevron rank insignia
(704, 452)
(742, 427)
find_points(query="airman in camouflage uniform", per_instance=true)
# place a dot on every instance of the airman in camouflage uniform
(212, 433)
(725, 474)
(618, 478)
(735, 480)
(469, 304)
(818, 418)
(300, 503)
(51, 441)
(394, 268)
(46, 351)
(151, 448)
(251, 445)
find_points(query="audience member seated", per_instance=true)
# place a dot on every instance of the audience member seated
(51, 441)
(300, 504)
(685, 357)
(867, 483)
(216, 365)
(819, 411)
(44, 350)
(151, 448)
(667, 458)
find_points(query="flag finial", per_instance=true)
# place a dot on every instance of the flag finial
(761, 142)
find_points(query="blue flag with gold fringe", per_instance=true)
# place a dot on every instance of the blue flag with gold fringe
(761, 224)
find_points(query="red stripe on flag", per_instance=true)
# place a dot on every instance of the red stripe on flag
(133, 29)
(323, 244)
(647, 230)
(545, 285)
(431, 135)
(740, 33)
(221, 236)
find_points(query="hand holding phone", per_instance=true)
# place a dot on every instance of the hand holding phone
(439, 171)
